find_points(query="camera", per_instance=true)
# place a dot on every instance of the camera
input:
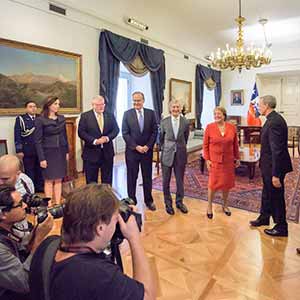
(56, 211)
(125, 211)
(33, 200)
(39, 207)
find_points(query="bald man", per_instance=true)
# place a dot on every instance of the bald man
(10, 173)
(97, 128)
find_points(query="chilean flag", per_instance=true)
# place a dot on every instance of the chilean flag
(253, 112)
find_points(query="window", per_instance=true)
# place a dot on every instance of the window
(123, 96)
(208, 106)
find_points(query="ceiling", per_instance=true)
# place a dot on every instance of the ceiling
(197, 27)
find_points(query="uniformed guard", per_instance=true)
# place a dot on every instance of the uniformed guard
(25, 146)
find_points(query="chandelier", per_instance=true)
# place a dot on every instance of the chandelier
(240, 57)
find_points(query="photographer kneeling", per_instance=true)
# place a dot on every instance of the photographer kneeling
(14, 264)
(80, 271)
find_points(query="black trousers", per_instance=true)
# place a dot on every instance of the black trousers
(273, 202)
(132, 163)
(91, 169)
(10, 295)
(179, 169)
(33, 170)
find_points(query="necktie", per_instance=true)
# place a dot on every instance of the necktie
(175, 127)
(141, 121)
(100, 121)
(33, 117)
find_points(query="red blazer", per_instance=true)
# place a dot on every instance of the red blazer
(218, 148)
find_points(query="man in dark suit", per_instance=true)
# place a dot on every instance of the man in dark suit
(25, 147)
(236, 99)
(174, 133)
(139, 130)
(275, 163)
(97, 128)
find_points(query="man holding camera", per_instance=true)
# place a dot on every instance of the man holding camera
(14, 264)
(80, 270)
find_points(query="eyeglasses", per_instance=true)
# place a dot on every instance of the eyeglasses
(9, 208)
(20, 204)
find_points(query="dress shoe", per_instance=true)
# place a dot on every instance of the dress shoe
(151, 206)
(210, 216)
(170, 210)
(298, 250)
(182, 208)
(276, 232)
(260, 221)
(226, 211)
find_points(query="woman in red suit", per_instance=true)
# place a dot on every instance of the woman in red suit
(221, 152)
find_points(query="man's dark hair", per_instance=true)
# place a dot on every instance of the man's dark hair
(6, 200)
(29, 101)
(139, 93)
(85, 207)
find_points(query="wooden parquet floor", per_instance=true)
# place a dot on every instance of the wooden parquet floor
(194, 258)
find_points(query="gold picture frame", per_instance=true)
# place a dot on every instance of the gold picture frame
(31, 72)
(181, 90)
(237, 97)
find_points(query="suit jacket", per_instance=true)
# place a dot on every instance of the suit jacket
(88, 131)
(132, 134)
(24, 135)
(50, 133)
(218, 148)
(171, 145)
(274, 156)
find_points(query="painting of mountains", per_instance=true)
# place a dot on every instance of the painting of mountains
(29, 72)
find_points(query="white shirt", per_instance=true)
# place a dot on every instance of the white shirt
(175, 125)
(20, 187)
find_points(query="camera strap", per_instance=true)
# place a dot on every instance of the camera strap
(9, 235)
(25, 185)
(77, 249)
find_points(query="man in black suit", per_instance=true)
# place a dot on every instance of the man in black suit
(139, 130)
(97, 128)
(25, 146)
(275, 163)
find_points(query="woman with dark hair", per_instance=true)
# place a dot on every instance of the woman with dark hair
(52, 147)
(221, 152)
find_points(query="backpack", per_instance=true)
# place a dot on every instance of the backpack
(40, 268)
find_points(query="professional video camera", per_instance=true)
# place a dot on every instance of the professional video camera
(39, 207)
(125, 212)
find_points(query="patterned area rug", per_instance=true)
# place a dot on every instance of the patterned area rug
(246, 194)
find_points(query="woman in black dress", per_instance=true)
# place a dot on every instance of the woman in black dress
(52, 147)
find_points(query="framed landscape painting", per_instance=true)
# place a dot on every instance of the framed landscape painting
(30, 72)
(181, 90)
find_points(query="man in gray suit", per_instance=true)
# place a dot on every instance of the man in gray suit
(173, 139)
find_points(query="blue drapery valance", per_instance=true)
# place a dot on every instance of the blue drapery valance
(114, 48)
(203, 73)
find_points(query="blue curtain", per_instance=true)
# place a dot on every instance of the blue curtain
(114, 48)
(203, 73)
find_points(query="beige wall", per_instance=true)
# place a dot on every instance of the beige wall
(30, 21)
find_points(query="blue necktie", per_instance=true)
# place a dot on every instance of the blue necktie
(141, 121)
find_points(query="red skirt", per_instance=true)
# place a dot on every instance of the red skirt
(221, 176)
